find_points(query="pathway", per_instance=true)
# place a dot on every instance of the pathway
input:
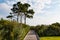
(31, 35)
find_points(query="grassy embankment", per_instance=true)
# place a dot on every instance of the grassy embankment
(11, 30)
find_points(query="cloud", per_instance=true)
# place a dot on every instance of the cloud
(10, 3)
(1, 16)
(23, 1)
(37, 6)
(4, 10)
(5, 7)
(46, 11)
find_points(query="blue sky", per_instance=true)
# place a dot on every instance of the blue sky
(46, 11)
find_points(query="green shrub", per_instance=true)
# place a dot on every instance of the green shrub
(48, 30)
(10, 30)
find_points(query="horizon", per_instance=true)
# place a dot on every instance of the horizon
(46, 11)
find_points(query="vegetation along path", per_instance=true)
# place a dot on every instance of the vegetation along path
(31, 35)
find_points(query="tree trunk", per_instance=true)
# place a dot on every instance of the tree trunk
(21, 20)
(17, 18)
(11, 18)
(25, 19)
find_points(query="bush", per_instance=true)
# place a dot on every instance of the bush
(10, 30)
(48, 30)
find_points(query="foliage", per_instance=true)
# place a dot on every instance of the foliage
(11, 30)
(22, 11)
(32, 28)
(48, 30)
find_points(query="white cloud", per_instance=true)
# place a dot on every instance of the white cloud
(10, 3)
(48, 18)
(37, 5)
(23, 1)
(4, 10)
(41, 16)
(1, 16)
(4, 6)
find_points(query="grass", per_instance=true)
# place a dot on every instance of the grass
(49, 38)
(24, 32)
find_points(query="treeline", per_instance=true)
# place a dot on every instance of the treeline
(11, 30)
(48, 30)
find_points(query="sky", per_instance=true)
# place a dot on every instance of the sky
(46, 11)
